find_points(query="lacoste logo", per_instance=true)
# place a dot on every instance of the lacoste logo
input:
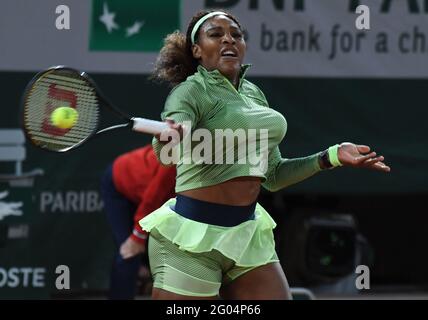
(9, 208)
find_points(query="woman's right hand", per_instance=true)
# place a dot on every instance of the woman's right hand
(173, 133)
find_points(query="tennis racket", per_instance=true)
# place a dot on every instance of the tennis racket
(61, 86)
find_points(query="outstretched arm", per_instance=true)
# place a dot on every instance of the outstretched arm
(282, 172)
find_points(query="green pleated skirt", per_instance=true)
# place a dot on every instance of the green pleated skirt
(250, 243)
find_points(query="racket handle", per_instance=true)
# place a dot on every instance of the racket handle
(148, 126)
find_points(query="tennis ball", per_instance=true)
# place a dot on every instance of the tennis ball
(64, 117)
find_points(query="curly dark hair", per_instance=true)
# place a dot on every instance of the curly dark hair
(175, 61)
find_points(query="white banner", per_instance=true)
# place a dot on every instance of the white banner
(303, 38)
(319, 38)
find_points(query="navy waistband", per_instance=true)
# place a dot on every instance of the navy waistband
(213, 213)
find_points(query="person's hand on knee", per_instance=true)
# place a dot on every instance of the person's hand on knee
(131, 248)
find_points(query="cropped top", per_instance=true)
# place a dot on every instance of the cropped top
(234, 133)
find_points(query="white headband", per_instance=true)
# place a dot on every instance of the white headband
(201, 21)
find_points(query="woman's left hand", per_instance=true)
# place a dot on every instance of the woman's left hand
(359, 156)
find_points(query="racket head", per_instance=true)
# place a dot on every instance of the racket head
(56, 87)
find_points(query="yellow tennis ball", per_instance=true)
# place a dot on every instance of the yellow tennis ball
(64, 117)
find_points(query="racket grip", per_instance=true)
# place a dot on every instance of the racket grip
(148, 126)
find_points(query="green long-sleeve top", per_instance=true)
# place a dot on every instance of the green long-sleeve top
(210, 102)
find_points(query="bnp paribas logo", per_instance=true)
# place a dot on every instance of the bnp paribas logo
(131, 25)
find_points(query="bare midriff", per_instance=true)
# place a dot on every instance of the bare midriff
(240, 191)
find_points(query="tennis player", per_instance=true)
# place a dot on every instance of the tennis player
(214, 240)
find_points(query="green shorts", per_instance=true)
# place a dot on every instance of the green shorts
(189, 273)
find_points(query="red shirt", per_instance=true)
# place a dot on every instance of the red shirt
(140, 177)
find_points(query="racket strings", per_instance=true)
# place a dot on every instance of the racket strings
(54, 89)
